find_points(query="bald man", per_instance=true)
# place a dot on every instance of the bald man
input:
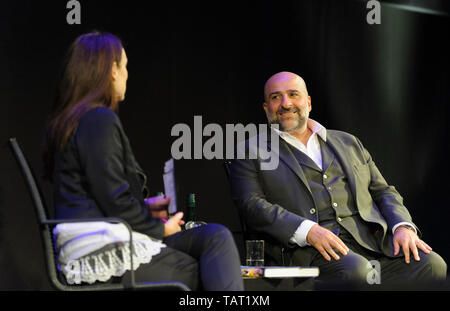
(327, 204)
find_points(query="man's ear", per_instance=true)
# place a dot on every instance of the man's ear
(114, 71)
(265, 106)
(309, 103)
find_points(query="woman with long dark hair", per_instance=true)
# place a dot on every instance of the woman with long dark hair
(89, 159)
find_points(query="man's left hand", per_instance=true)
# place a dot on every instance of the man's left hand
(408, 240)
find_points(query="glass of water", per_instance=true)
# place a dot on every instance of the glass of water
(254, 253)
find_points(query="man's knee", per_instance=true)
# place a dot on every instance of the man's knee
(434, 265)
(350, 270)
(358, 269)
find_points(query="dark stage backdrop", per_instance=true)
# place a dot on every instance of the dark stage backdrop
(388, 84)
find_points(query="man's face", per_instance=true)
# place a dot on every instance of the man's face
(287, 102)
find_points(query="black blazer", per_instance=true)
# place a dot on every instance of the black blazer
(97, 175)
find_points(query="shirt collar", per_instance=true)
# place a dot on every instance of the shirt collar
(313, 125)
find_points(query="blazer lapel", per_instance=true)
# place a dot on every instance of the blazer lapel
(285, 154)
(327, 157)
(346, 162)
(303, 159)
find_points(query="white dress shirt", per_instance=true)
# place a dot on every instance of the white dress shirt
(313, 151)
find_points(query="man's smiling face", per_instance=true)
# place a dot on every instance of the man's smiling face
(287, 102)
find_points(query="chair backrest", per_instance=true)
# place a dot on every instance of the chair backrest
(28, 174)
(45, 229)
(40, 210)
(245, 233)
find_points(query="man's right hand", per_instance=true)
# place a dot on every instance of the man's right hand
(326, 242)
(173, 225)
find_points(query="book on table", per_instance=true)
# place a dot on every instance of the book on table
(278, 272)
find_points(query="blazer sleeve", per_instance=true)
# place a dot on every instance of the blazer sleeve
(260, 215)
(386, 197)
(101, 153)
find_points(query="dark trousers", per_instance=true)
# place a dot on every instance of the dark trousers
(203, 258)
(356, 270)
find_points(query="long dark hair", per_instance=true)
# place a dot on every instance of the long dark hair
(84, 85)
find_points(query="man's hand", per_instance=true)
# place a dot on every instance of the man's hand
(326, 242)
(408, 240)
(158, 206)
(172, 225)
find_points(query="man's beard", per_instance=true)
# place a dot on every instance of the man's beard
(300, 119)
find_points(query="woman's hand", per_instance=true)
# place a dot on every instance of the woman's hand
(173, 225)
(158, 206)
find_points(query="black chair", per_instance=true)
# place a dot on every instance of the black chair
(45, 225)
(264, 284)
(245, 233)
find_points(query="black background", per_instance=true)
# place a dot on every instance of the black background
(388, 84)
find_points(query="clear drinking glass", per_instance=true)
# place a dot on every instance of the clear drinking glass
(254, 253)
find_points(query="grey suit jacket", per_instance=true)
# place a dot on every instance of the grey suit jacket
(275, 202)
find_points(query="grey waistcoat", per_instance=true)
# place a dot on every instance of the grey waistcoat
(335, 206)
